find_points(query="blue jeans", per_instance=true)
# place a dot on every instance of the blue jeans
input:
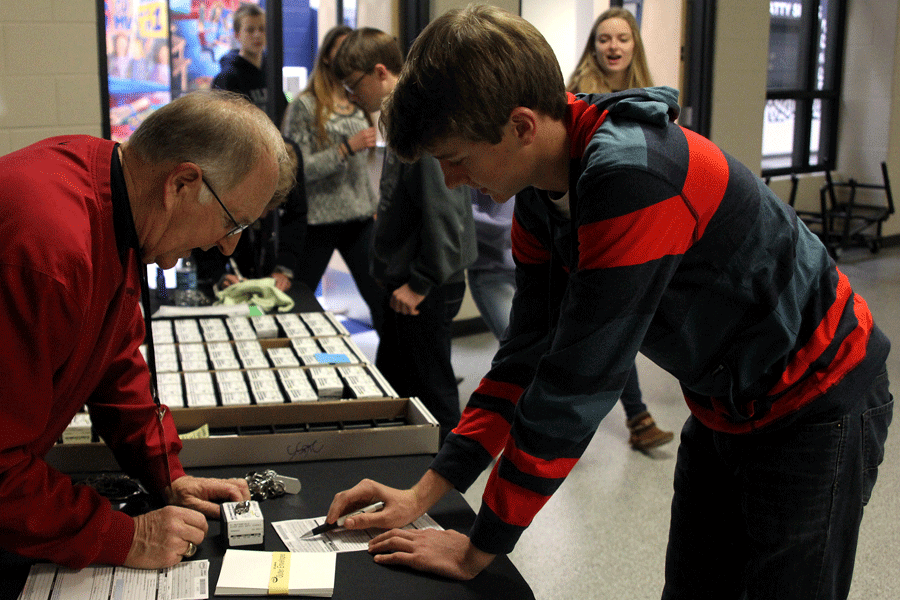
(414, 353)
(631, 397)
(776, 515)
(493, 293)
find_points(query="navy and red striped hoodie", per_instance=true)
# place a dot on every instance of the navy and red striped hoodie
(672, 248)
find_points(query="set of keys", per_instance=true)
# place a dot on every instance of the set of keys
(269, 484)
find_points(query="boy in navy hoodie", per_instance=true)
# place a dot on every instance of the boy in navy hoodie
(242, 70)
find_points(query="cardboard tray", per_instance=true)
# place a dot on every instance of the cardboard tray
(281, 433)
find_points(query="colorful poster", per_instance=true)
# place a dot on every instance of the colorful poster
(138, 64)
(202, 33)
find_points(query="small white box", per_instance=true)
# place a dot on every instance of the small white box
(242, 528)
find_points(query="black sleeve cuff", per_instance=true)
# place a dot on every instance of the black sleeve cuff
(490, 534)
(460, 461)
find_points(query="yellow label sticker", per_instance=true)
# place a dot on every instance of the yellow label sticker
(280, 576)
(200, 433)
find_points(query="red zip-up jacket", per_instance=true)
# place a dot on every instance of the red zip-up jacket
(70, 329)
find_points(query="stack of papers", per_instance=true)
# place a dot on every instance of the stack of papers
(258, 573)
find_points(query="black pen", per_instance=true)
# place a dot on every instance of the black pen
(340, 522)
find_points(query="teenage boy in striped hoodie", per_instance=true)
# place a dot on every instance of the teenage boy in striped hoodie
(634, 234)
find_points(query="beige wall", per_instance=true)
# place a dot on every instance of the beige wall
(661, 33)
(49, 83)
(739, 79)
(868, 78)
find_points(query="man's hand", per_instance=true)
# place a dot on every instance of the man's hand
(405, 301)
(162, 537)
(447, 553)
(198, 493)
(282, 281)
(228, 280)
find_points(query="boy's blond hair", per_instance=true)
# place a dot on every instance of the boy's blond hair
(464, 75)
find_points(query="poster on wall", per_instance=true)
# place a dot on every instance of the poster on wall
(202, 33)
(158, 50)
(137, 62)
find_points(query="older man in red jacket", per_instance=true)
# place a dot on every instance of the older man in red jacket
(79, 219)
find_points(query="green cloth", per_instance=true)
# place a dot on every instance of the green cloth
(261, 292)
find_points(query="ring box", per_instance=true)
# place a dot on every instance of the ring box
(243, 528)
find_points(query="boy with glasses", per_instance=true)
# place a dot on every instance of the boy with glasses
(424, 240)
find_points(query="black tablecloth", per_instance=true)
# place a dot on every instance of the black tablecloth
(357, 576)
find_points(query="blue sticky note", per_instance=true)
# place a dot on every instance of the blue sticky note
(325, 358)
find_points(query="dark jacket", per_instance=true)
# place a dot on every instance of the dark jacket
(424, 232)
(240, 75)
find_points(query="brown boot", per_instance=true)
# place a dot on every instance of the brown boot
(645, 434)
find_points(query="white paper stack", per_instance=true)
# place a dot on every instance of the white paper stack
(296, 385)
(326, 382)
(232, 388)
(166, 358)
(292, 325)
(79, 430)
(264, 386)
(222, 357)
(240, 328)
(259, 573)
(187, 331)
(170, 390)
(214, 330)
(265, 326)
(318, 323)
(306, 349)
(162, 332)
(283, 357)
(199, 389)
(359, 382)
(193, 357)
(251, 354)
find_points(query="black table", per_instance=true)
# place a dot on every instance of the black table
(357, 576)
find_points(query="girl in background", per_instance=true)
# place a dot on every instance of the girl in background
(613, 59)
(332, 134)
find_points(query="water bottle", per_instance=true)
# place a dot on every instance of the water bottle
(186, 282)
(161, 292)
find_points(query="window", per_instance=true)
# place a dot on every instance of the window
(806, 40)
(635, 7)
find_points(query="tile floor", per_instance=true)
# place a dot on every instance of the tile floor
(603, 534)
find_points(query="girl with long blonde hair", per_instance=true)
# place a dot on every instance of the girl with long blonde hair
(613, 57)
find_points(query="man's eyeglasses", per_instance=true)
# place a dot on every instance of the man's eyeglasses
(352, 86)
(237, 226)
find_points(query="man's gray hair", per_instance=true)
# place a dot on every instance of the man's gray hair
(221, 132)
